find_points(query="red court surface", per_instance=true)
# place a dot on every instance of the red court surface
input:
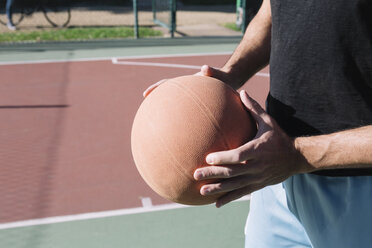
(65, 133)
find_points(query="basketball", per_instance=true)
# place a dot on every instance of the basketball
(177, 125)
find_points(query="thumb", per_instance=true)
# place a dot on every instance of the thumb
(210, 71)
(213, 72)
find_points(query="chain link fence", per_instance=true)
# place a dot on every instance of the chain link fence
(30, 15)
(189, 17)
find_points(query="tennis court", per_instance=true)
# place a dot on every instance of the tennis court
(67, 177)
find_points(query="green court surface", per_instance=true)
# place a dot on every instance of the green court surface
(204, 226)
(115, 48)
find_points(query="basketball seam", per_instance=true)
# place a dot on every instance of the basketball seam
(169, 152)
(204, 110)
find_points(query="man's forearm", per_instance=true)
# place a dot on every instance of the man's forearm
(346, 149)
(253, 52)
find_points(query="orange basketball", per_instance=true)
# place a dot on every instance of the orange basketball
(177, 125)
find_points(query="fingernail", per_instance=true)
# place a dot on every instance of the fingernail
(205, 191)
(198, 175)
(210, 159)
(205, 70)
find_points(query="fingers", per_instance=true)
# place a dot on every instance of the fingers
(209, 71)
(227, 185)
(205, 70)
(232, 196)
(233, 189)
(247, 151)
(234, 156)
(255, 109)
(226, 171)
(257, 163)
(152, 87)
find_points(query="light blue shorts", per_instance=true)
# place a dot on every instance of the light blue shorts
(312, 211)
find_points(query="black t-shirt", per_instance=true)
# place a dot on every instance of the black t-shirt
(321, 68)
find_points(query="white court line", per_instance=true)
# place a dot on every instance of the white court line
(116, 61)
(146, 202)
(43, 61)
(156, 64)
(88, 216)
(98, 215)
(173, 55)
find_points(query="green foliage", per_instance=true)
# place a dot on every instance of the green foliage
(208, 2)
(29, 3)
(77, 34)
(232, 26)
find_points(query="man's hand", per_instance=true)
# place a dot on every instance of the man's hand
(219, 74)
(268, 159)
(205, 70)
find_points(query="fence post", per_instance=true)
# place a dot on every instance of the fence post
(173, 11)
(135, 11)
(244, 20)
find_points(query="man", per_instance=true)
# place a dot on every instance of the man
(316, 136)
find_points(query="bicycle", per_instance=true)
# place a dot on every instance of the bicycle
(55, 13)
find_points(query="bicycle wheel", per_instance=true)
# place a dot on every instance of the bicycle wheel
(17, 17)
(57, 16)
